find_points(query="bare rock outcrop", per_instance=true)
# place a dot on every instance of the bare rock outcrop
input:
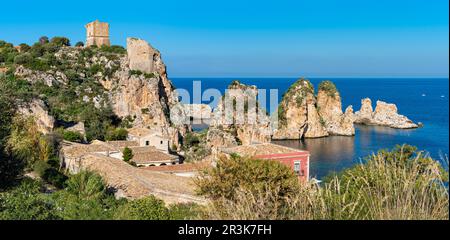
(330, 109)
(238, 113)
(140, 55)
(385, 114)
(38, 110)
(198, 111)
(217, 138)
(297, 115)
(49, 78)
(146, 94)
(78, 127)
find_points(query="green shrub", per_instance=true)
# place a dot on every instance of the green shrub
(127, 154)
(73, 136)
(40, 167)
(135, 72)
(24, 58)
(55, 177)
(148, 208)
(185, 211)
(190, 140)
(113, 49)
(79, 44)
(26, 202)
(43, 40)
(60, 41)
(116, 134)
(328, 87)
(255, 175)
(24, 47)
(86, 185)
(86, 198)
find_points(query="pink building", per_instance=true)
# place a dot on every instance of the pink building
(297, 160)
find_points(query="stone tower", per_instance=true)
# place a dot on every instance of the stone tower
(97, 33)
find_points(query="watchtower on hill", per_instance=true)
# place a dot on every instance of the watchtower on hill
(97, 33)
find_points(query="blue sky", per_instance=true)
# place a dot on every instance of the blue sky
(238, 38)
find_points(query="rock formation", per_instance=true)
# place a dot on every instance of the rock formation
(78, 127)
(140, 55)
(385, 114)
(197, 111)
(238, 113)
(49, 78)
(133, 84)
(330, 109)
(297, 114)
(38, 110)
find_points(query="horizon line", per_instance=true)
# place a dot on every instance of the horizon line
(351, 77)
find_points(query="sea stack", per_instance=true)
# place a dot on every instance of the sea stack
(297, 114)
(385, 114)
(330, 109)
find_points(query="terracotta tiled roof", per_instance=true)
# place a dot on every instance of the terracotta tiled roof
(184, 167)
(149, 154)
(76, 150)
(152, 157)
(123, 144)
(139, 132)
(260, 149)
(137, 182)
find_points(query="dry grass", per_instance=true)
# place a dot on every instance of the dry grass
(382, 188)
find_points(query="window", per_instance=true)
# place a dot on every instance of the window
(147, 143)
(161, 142)
(297, 167)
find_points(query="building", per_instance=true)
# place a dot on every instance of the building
(97, 33)
(297, 160)
(148, 137)
(123, 179)
(142, 156)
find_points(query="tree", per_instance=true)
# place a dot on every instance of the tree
(24, 47)
(25, 141)
(148, 208)
(86, 198)
(26, 202)
(60, 41)
(79, 44)
(86, 185)
(116, 134)
(127, 154)
(10, 167)
(43, 40)
(73, 136)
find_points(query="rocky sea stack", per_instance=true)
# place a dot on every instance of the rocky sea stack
(385, 114)
(238, 118)
(302, 114)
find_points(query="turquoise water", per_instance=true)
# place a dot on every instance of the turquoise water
(421, 100)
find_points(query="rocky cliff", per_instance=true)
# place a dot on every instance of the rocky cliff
(39, 112)
(85, 84)
(385, 114)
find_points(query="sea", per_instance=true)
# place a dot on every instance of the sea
(424, 100)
